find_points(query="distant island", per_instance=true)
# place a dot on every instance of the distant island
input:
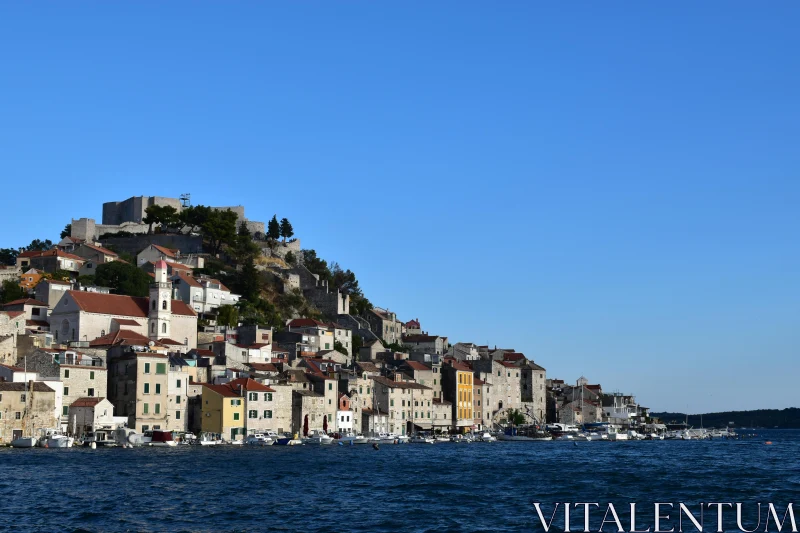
(788, 418)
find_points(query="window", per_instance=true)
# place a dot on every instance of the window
(236, 416)
(327, 346)
(145, 408)
(236, 402)
(267, 414)
(158, 388)
(158, 408)
(65, 410)
(268, 396)
(91, 374)
(367, 390)
(253, 397)
(177, 415)
(164, 327)
(90, 393)
(330, 386)
(147, 388)
(164, 305)
(179, 383)
(252, 414)
(360, 391)
(22, 397)
(147, 368)
(17, 415)
(330, 418)
(161, 368)
(177, 399)
(434, 382)
(66, 391)
(153, 326)
(66, 372)
(391, 403)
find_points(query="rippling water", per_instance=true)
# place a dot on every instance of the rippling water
(441, 487)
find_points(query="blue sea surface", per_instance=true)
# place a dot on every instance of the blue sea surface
(432, 488)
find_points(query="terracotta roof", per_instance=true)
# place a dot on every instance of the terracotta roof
(104, 251)
(114, 304)
(38, 323)
(38, 386)
(534, 366)
(86, 402)
(307, 322)
(507, 364)
(421, 338)
(513, 356)
(202, 353)
(478, 381)
(223, 390)
(366, 366)
(57, 253)
(189, 280)
(399, 384)
(249, 385)
(126, 322)
(25, 301)
(416, 365)
(124, 337)
(263, 367)
(169, 252)
(56, 281)
(170, 342)
(460, 367)
(413, 324)
(14, 314)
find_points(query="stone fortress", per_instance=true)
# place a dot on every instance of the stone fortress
(128, 215)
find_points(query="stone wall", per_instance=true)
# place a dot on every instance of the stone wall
(133, 209)
(187, 244)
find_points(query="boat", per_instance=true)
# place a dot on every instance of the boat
(55, 438)
(161, 438)
(354, 438)
(288, 440)
(461, 439)
(259, 439)
(318, 437)
(209, 439)
(100, 437)
(525, 433)
(422, 439)
(487, 437)
(442, 438)
(614, 434)
(24, 442)
(387, 438)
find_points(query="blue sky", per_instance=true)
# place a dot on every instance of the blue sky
(611, 189)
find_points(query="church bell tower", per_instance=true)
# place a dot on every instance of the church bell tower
(160, 303)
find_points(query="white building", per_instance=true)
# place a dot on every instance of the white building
(203, 294)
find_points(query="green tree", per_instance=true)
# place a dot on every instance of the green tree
(244, 249)
(123, 278)
(8, 256)
(316, 265)
(515, 416)
(193, 217)
(339, 347)
(286, 229)
(39, 246)
(290, 259)
(12, 291)
(219, 228)
(273, 229)
(358, 342)
(67, 231)
(227, 315)
(60, 275)
(165, 215)
(86, 280)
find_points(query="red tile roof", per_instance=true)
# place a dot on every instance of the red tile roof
(14, 314)
(249, 385)
(420, 338)
(25, 301)
(124, 337)
(104, 251)
(223, 390)
(114, 304)
(306, 323)
(186, 278)
(170, 342)
(126, 322)
(416, 365)
(413, 324)
(86, 402)
(169, 252)
(513, 356)
(14, 368)
(263, 367)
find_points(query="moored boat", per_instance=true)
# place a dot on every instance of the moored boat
(288, 440)
(24, 442)
(161, 438)
(525, 433)
(318, 438)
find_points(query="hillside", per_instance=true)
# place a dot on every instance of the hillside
(788, 418)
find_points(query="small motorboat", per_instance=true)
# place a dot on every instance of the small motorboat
(487, 437)
(318, 437)
(161, 438)
(100, 437)
(24, 442)
(460, 439)
(422, 439)
(209, 439)
(259, 439)
(55, 438)
(354, 438)
(288, 440)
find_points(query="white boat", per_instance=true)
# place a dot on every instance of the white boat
(24, 442)
(386, 438)
(566, 436)
(209, 439)
(442, 438)
(287, 439)
(259, 439)
(160, 438)
(634, 435)
(100, 437)
(461, 439)
(354, 438)
(422, 439)
(55, 438)
(614, 434)
(487, 437)
(318, 438)
(525, 433)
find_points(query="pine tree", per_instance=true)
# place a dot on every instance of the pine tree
(273, 229)
(286, 229)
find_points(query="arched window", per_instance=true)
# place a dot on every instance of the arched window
(164, 327)
(164, 305)
(102, 333)
(154, 305)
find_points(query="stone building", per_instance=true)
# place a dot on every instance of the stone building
(409, 404)
(50, 291)
(84, 316)
(505, 379)
(423, 343)
(25, 407)
(259, 405)
(308, 410)
(384, 325)
(134, 209)
(138, 384)
(86, 415)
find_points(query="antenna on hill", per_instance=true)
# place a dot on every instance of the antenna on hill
(186, 199)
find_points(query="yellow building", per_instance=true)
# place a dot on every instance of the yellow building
(458, 388)
(223, 411)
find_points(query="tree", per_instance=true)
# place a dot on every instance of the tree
(358, 342)
(12, 291)
(165, 215)
(59, 275)
(286, 229)
(123, 278)
(244, 249)
(67, 231)
(515, 417)
(193, 217)
(219, 228)
(339, 347)
(39, 246)
(86, 280)
(273, 229)
(290, 259)
(316, 265)
(8, 256)
(227, 315)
